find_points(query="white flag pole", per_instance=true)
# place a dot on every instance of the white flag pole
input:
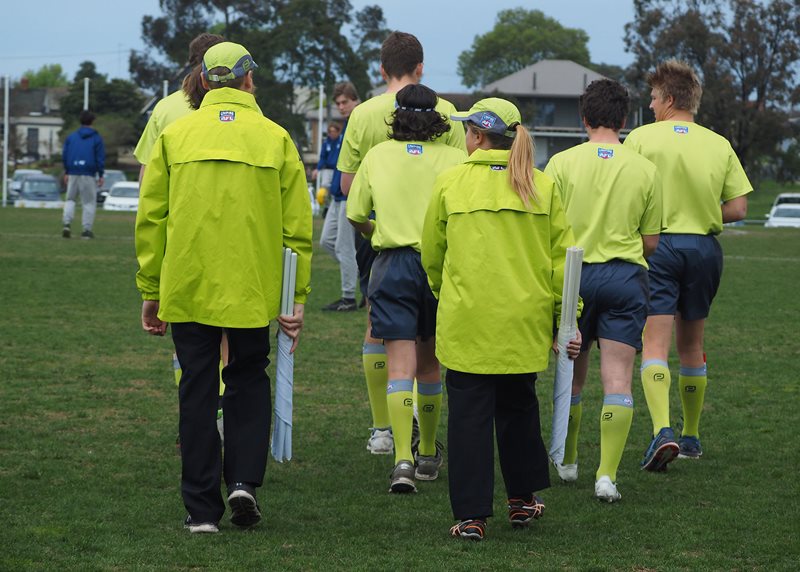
(6, 128)
(319, 130)
(86, 94)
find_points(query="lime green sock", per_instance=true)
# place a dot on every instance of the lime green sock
(374, 359)
(401, 413)
(656, 381)
(176, 368)
(221, 383)
(615, 424)
(571, 445)
(429, 409)
(692, 382)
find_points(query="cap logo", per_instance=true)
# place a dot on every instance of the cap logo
(681, 129)
(414, 149)
(498, 167)
(488, 120)
(605, 153)
(227, 116)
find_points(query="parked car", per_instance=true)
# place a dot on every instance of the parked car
(15, 184)
(110, 178)
(784, 215)
(40, 192)
(123, 197)
(786, 198)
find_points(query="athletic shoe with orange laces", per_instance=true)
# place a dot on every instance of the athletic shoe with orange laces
(471, 529)
(521, 512)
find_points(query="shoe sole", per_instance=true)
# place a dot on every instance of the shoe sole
(426, 476)
(664, 455)
(202, 528)
(403, 486)
(474, 536)
(685, 456)
(608, 498)
(244, 509)
(375, 451)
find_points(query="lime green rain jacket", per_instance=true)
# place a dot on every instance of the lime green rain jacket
(223, 192)
(496, 266)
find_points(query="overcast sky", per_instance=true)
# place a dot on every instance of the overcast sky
(104, 31)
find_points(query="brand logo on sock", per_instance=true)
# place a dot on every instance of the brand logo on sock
(607, 416)
(380, 364)
(658, 377)
(428, 408)
(690, 388)
(408, 402)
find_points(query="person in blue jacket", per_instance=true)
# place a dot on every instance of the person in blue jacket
(84, 157)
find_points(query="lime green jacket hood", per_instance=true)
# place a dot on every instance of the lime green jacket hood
(223, 193)
(496, 266)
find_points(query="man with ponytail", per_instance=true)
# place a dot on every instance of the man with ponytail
(612, 197)
(396, 180)
(494, 248)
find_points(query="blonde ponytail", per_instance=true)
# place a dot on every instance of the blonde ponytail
(520, 166)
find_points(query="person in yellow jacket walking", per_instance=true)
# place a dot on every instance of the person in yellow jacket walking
(224, 191)
(494, 247)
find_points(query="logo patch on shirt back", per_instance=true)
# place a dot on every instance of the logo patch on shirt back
(605, 153)
(681, 129)
(414, 149)
(498, 167)
(227, 116)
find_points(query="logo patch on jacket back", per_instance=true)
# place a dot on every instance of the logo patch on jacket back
(498, 167)
(414, 149)
(605, 153)
(681, 129)
(227, 116)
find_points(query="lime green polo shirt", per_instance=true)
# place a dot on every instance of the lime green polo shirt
(612, 196)
(496, 266)
(368, 125)
(172, 107)
(396, 180)
(223, 193)
(698, 169)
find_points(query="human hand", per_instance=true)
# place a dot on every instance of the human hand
(100, 182)
(573, 346)
(314, 174)
(150, 320)
(291, 325)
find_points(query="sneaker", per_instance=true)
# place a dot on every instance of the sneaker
(605, 490)
(471, 529)
(689, 448)
(381, 441)
(521, 512)
(662, 450)
(341, 305)
(87, 234)
(244, 508)
(66, 232)
(428, 466)
(193, 527)
(402, 478)
(567, 473)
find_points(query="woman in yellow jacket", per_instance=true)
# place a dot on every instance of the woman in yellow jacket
(494, 246)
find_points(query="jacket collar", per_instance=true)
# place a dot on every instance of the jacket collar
(223, 95)
(489, 157)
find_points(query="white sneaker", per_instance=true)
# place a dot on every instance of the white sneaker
(567, 473)
(605, 490)
(381, 441)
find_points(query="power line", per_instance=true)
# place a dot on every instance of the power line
(114, 52)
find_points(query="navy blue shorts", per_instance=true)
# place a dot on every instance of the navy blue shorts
(614, 303)
(402, 306)
(685, 271)
(365, 257)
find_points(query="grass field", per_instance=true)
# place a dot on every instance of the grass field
(89, 477)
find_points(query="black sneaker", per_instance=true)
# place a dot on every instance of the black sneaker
(521, 512)
(66, 232)
(87, 234)
(471, 529)
(244, 508)
(341, 305)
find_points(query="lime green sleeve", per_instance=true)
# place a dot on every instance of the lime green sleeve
(148, 139)
(297, 222)
(651, 218)
(151, 223)
(561, 238)
(359, 199)
(736, 181)
(434, 239)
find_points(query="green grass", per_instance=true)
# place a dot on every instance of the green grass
(89, 478)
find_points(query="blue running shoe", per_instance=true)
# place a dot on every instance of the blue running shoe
(689, 448)
(662, 450)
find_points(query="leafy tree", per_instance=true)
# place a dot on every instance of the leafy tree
(746, 54)
(520, 38)
(49, 75)
(295, 43)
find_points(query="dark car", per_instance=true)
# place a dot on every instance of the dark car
(40, 191)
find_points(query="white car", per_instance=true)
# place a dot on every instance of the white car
(787, 199)
(40, 192)
(784, 215)
(123, 197)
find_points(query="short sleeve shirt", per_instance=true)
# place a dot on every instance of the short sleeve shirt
(172, 107)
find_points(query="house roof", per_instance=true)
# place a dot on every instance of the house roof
(546, 78)
(37, 101)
